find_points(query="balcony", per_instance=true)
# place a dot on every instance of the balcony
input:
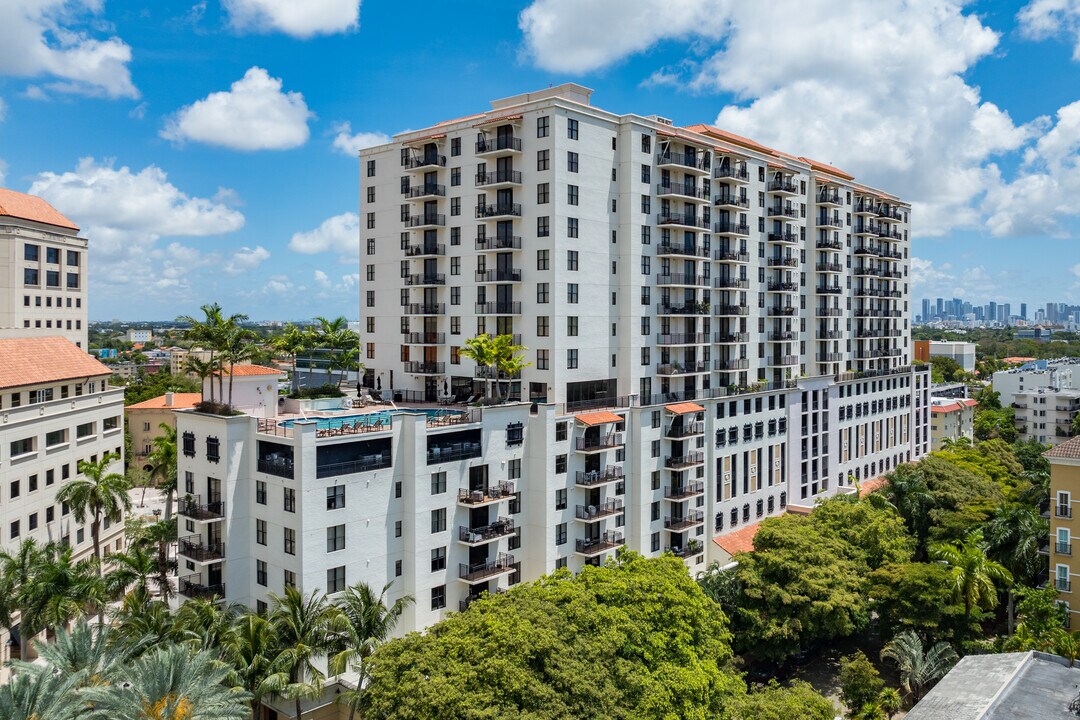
(499, 178)
(825, 197)
(503, 564)
(425, 338)
(453, 452)
(507, 242)
(830, 357)
(425, 249)
(687, 309)
(1063, 511)
(885, 232)
(783, 237)
(425, 368)
(730, 283)
(684, 522)
(690, 161)
(191, 507)
(499, 211)
(682, 338)
(833, 222)
(884, 211)
(427, 220)
(680, 462)
(500, 144)
(823, 334)
(695, 251)
(1063, 548)
(427, 190)
(786, 211)
(503, 275)
(780, 336)
(865, 207)
(683, 219)
(498, 308)
(488, 496)
(425, 309)
(484, 534)
(782, 360)
(192, 587)
(684, 491)
(687, 368)
(691, 428)
(682, 279)
(731, 310)
(735, 256)
(599, 443)
(685, 190)
(827, 244)
(596, 513)
(783, 286)
(784, 187)
(828, 311)
(731, 338)
(736, 172)
(864, 270)
(423, 162)
(729, 227)
(829, 268)
(425, 279)
(591, 547)
(596, 478)
(731, 200)
(731, 364)
(867, 229)
(781, 310)
(1063, 585)
(692, 548)
(194, 548)
(784, 261)
(829, 289)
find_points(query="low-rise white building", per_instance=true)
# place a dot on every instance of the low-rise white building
(952, 419)
(962, 352)
(1046, 414)
(1063, 373)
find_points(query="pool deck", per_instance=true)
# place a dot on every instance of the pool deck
(456, 414)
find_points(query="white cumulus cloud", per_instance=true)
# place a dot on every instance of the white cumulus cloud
(300, 19)
(245, 259)
(45, 39)
(254, 114)
(1041, 19)
(347, 143)
(340, 233)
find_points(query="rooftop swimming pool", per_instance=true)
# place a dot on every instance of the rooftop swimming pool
(334, 423)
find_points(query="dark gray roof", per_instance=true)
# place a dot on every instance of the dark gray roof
(1019, 686)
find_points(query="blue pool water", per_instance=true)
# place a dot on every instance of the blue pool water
(324, 423)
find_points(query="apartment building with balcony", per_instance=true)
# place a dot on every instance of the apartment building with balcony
(42, 271)
(951, 419)
(1046, 414)
(1064, 498)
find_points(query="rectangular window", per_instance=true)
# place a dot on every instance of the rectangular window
(560, 464)
(371, 168)
(290, 579)
(571, 259)
(571, 325)
(438, 559)
(571, 227)
(560, 499)
(260, 532)
(543, 226)
(213, 449)
(543, 193)
(85, 430)
(335, 497)
(542, 325)
(560, 534)
(56, 437)
(289, 500)
(438, 483)
(455, 147)
(438, 597)
(542, 293)
(290, 541)
(572, 129)
(543, 161)
(260, 572)
(335, 579)
(572, 194)
(335, 538)
(542, 259)
(31, 253)
(438, 520)
(572, 293)
(571, 359)
(571, 162)
(260, 492)
(542, 126)
(455, 177)
(30, 277)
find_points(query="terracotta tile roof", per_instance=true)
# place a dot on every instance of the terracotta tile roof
(500, 118)
(683, 408)
(829, 169)
(737, 541)
(1017, 360)
(954, 406)
(730, 137)
(180, 401)
(598, 418)
(30, 207)
(424, 138)
(34, 361)
(457, 120)
(250, 371)
(1068, 449)
(869, 486)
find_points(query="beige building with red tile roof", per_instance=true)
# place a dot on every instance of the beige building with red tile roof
(144, 420)
(951, 419)
(42, 271)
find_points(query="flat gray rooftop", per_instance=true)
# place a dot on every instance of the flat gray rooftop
(1021, 686)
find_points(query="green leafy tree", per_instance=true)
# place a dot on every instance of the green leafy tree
(205, 623)
(509, 360)
(308, 628)
(291, 342)
(1040, 621)
(99, 494)
(974, 575)
(878, 534)
(860, 682)
(132, 570)
(481, 350)
(907, 490)
(889, 701)
(799, 701)
(919, 667)
(918, 596)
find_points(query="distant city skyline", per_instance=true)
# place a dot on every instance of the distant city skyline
(994, 311)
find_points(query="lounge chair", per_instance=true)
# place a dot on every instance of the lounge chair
(469, 399)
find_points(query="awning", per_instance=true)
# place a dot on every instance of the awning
(437, 136)
(501, 118)
(598, 418)
(683, 408)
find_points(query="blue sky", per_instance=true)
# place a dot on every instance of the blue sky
(208, 148)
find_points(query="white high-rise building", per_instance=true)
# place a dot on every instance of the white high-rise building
(718, 332)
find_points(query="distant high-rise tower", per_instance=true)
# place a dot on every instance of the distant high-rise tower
(926, 310)
(1023, 311)
(992, 313)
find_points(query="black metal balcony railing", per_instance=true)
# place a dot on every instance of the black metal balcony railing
(689, 520)
(425, 309)
(787, 261)
(453, 452)
(823, 334)
(416, 367)
(414, 221)
(783, 360)
(828, 311)
(1063, 548)
(599, 442)
(731, 364)
(504, 242)
(682, 189)
(785, 186)
(477, 572)
(683, 368)
(687, 219)
(351, 467)
(493, 493)
(684, 250)
(695, 161)
(783, 286)
(498, 308)
(498, 210)
(475, 535)
(419, 161)
(783, 237)
(726, 310)
(829, 198)
(497, 143)
(782, 310)
(731, 228)
(682, 338)
(694, 547)
(425, 279)
(685, 430)
(498, 177)
(730, 283)
(425, 338)
(191, 507)
(833, 221)
(726, 338)
(687, 309)
(425, 190)
(681, 279)
(827, 244)
(592, 513)
(1063, 511)
(734, 172)
(788, 211)
(684, 491)
(503, 275)
(279, 466)
(1063, 585)
(193, 547)
(731, 200)
(780, 336)
(594, 546)
(829, 289)
(192, 587)
(592, 478)
(425, 249)
(684, 461)
(726, 255)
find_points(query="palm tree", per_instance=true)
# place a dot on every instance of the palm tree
(250, 648)
(237, 346)
(204, 623)
(36, 692)
(204, 369)
(203, 331)
(131, 571)
(973, 573)
(370, 623)
(481, 350)
(169, 682)
(346, 360)
(509, 359)
(91, 652)
(335, 336)
(99, 493)
(140, 623)
(17, 571)
(1013, 536)
(162, 459)
(907, 490)
(919, 667)
(307, 629)
(158, 537)
(292, 342)
(60, 590)
(890, 702)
